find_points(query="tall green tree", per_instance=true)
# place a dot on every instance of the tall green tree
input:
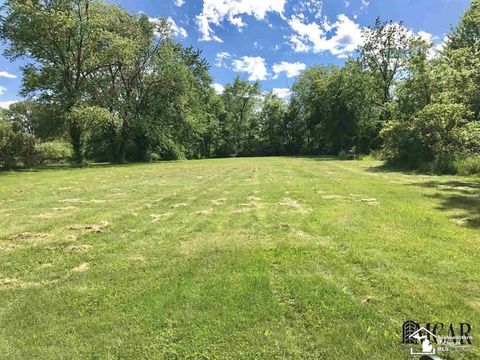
(272, 126)
(467, 33)
(240, 121)
(67, 41)
(384, 53)
(458, 72)
(418, 88)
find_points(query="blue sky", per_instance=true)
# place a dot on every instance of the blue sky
(274, 40)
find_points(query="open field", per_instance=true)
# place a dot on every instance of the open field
(267, 258)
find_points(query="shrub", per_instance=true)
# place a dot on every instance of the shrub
(435, 127)
(469, 138)
(375, 155)
(170, 150)
(342, 155)
(16, 149)
(469, 165)
(444, 164)
(172, 153)
(53, 151)
(432, 135)
(400, 145)
(153, 156)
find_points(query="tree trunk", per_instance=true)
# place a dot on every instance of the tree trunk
(142, 147)
(76, 138)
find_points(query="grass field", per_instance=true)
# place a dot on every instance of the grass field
(268, 258)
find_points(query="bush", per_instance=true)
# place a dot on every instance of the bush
(375, 155)
(172, 153)
(170, 150)
(436, 128)
(468, 165)
(400, 146)
(52, 152)
(342, 155)
(431, 136)
(444, 164)
(469, 138)
(16, 149)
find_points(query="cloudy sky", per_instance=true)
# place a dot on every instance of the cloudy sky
(272, 41)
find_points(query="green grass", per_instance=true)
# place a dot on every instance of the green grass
(268, 258)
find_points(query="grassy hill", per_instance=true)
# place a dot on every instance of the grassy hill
(266, 258)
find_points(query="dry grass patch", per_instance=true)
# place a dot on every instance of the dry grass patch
(179, 205)
(82, 248)
(79, 201)
(11, 283)
(137, 258)
(461, 221)
(72, 237)
(252, 204)
(83, 267)
(242, 210)
(218, 202)
(5, 248)
(161, 217)
(94, 228)
(475, 304)
(28, 236)
(203, 212)
(65, 208)
(8, 281)
(371, 202)
(294, 204)
(46, 216)
(335, 197)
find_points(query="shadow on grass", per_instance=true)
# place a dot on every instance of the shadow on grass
(69, 167)
(387, 168)
(65, 167)
(461, 197)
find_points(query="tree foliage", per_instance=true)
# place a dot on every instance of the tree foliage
(118, 88)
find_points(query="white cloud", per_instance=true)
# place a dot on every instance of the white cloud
(429, 38)
(205, 29)
(298, 45)
(254, 66)
(309, 7)
(257, 45)
(3, 90)
(282, 93)
(176, 30)
(7, 75)
(221, 59)
(347, 36)
(365, 4)
(219, 88)
(216, 11)
(290, 69)
(179, 3)
(442, 45)
(437, 48)
(6, 104)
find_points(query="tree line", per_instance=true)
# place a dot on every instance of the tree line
(107, 85)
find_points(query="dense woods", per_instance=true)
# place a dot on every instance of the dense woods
(107, 85)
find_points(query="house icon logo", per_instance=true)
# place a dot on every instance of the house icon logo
(436, 337)
(414, 335)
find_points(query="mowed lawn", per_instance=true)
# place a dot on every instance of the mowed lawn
(267, 258)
